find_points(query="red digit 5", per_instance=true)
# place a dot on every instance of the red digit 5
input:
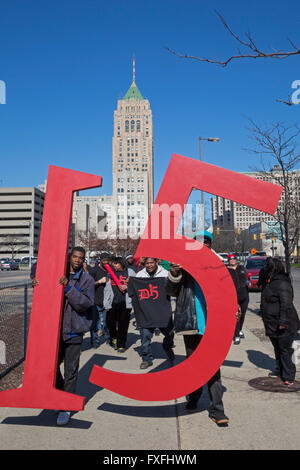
(184, 174)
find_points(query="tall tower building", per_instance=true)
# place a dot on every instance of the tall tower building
(132, 161)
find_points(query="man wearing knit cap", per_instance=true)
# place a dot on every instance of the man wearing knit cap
(99, 273)
(130, 263)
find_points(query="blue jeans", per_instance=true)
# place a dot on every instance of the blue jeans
(100, 324)
(146, 336)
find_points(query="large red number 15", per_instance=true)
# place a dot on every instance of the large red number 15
(183, 174)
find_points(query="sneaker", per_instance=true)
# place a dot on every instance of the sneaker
(222, 422)
(113, 343)
(289, 384)
(236, 340)
(157, 331)
(145, 365)
(274, 373)
(241, 335)
(121, 350)
(63, 418)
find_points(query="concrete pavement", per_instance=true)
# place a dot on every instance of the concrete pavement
(258, 419)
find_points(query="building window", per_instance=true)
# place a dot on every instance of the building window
(126, 126)
(132, 126)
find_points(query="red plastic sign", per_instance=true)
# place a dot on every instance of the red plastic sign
(38, 389)
(183, 174)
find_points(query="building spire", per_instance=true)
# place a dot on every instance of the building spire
(133, 70)
(133, 92)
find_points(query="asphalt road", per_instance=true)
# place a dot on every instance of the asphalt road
(14, 276)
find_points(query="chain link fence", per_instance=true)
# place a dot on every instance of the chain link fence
(15, 305)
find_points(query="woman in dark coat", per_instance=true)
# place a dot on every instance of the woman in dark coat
(280, 318)
(240, 280)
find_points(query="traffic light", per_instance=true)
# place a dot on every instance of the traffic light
(218, 230)
(239, 230)
(254, 236)
(273, 239)
(261, 236)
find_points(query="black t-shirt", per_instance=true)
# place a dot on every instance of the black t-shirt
(98, 273)
(119, 296)
(151, 303)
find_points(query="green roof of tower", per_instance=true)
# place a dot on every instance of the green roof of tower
(133, 93)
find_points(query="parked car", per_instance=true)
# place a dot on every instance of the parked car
(25, 260)
(9, 265)
(253, 265)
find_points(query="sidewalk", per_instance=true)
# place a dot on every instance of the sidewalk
(258, 419)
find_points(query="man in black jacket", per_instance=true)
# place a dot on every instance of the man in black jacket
(239, 276)
(183, 286)
(99, 274)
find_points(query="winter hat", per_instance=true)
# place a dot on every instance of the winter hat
(204, 234)
(105, 256)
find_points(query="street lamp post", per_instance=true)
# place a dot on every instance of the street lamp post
(209, 139)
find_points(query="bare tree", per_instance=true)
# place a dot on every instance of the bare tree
(277, 147)
(247, 49)
(114, 244)
(251, 49)
(14, 244)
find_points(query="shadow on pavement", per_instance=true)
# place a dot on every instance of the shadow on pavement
(154, 411)
(47, 418)
(261, 360)
(228, 363)
(84, 387)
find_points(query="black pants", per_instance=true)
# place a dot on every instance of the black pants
(69, 354)
(117, 320)
(283, 354)
(214, 385)
(239, 324)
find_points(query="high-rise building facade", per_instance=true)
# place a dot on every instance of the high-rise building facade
(21, 212)
(227, 214)
(132, 161)
(126, 212)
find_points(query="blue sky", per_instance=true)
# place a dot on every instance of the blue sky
(65, 63)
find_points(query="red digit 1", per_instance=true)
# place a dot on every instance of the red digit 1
(38, 389)
(184, 174)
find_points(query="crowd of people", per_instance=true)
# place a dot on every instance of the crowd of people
(101, 299)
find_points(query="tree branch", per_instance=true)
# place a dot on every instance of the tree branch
(256, 53)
